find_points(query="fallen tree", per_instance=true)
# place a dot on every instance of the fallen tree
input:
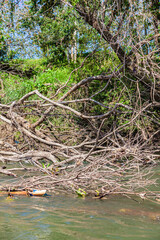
(107, 163)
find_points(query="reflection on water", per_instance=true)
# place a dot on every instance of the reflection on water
(62, 217)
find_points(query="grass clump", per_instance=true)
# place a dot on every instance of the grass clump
(45, 81)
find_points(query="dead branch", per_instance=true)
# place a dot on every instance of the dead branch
(7, 172)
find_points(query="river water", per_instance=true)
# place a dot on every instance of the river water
(62, 217)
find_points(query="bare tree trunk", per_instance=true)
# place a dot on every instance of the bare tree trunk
(75, 46)
(67, 53)
(72, 53)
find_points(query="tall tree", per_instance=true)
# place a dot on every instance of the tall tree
(3, 44)
(129, 29)
(121, 25)
(59, 30)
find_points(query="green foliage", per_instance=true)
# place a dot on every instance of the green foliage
(17, 135)
(97, 193)
(103, 61)
(154, 7)
(55, 25)
(52, 79)
(81, 193)
(3, 43)
(46, 80)
(44, 165)
(56, 29)
(35, 65)
(15, 87)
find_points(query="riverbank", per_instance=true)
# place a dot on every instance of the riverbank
(65, 137)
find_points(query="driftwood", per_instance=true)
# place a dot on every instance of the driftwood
(7, 172)
(101, 165)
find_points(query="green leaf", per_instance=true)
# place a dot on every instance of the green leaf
(80, 192)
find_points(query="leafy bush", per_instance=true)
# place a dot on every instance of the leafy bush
(46, 81)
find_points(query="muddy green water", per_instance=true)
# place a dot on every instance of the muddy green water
(65, 218)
